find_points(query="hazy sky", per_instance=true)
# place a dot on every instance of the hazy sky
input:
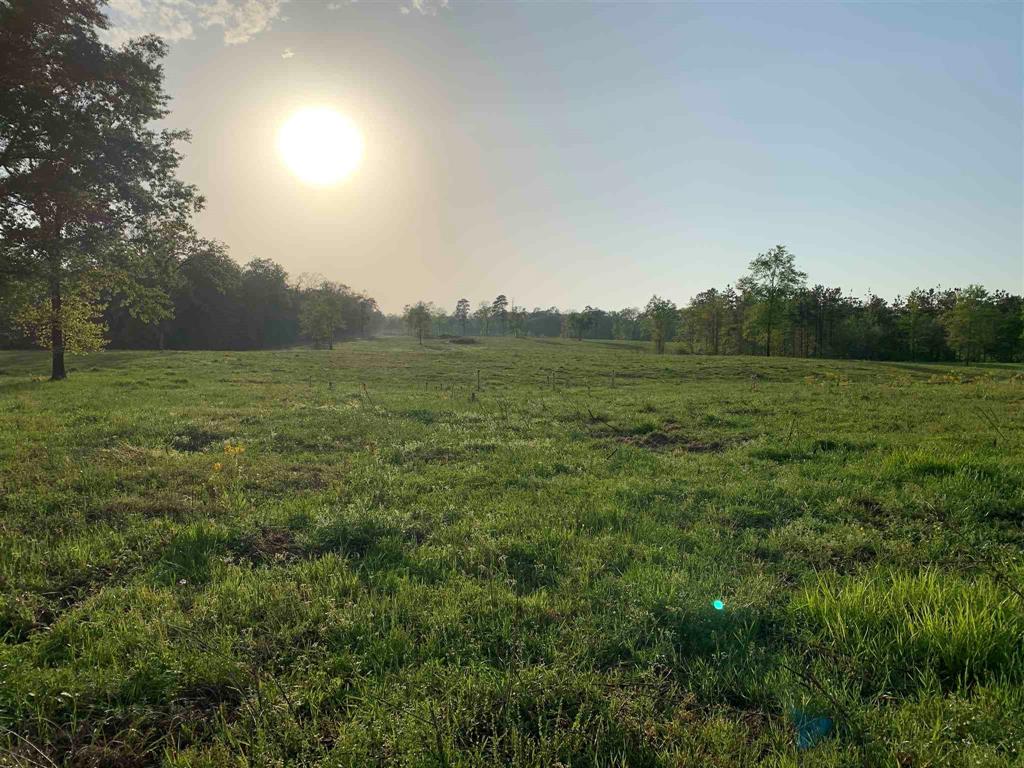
(569, 153)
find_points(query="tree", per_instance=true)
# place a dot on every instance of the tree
(544, 322)
(81, 319)
(369, 313)
(971, 323)
(168, 247)
(206, 301)
(462, 313)
(269, 318)
(499, 311)
(661, 316)
(916, 323)
(418, 318)
(1009, 327)
(321, 313)
(581, 322)
(706, 316)
(439, 319)
(517, 320)
(625, 323)
(483, 317)
(82, 175)
(772, 281)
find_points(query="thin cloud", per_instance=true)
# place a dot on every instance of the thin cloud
(424, 7)
(174, 20)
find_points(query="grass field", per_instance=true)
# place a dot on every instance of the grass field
(356, 558)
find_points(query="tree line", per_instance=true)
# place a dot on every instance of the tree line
(768, 311)
(212, 302)
(97, 245)
(217, 304)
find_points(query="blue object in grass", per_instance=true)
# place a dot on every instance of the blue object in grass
(718, 605)
(810, 729)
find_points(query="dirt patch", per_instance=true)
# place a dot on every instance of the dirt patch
(269, 545)
(873, 513)
(194, 439)
(462, 340)
(296, 478)
(870, 506)
(173, 507)
(109, 755)
(697, 446)
(670, 441)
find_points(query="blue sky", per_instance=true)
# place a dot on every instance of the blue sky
(573, 153)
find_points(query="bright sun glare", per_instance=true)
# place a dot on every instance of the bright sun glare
(320, 146)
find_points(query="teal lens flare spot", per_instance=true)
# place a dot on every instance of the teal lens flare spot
(718, 605)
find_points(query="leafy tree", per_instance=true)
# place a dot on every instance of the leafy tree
(625, 323)
(418, 318)
(81, 320)
(971, 323)
(1009, 327)
(269, 317)
(517, 320)
(369, 314)
(919, 325)
(483, 317)
(462, 313)
(544, 322)
(772, 281)
(321, 313)
(577, 324)
(706, 318)
(581, 322)
(167, 247)
(83, 177)
(439, 319)
(661, 316)
(499, 312)
(13, 299)
(206, 303)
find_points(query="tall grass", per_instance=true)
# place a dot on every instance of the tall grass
(909, 630)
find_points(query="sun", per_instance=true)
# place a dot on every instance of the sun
(320, 146)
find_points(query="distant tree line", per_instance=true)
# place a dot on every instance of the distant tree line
(769, 311)
(211, 303)
(217, 304)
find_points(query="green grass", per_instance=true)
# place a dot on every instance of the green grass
(355, 558)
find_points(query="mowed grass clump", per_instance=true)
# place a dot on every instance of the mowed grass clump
(364, 557)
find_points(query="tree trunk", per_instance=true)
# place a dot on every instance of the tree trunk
(57, 371)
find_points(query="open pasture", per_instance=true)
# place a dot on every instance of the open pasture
(507, 552)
